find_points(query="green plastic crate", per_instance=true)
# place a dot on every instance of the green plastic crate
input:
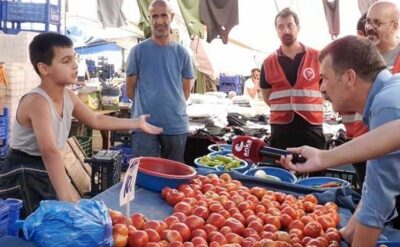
(86, 144)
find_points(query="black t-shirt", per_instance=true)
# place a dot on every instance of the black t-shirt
(290, 67)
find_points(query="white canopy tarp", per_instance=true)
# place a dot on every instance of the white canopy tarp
(255, 30)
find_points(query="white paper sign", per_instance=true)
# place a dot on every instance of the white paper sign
(127, 192)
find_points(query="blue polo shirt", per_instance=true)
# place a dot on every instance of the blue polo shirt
(382, 181)
(159, 90)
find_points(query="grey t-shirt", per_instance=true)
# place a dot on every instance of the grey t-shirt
(390, 56)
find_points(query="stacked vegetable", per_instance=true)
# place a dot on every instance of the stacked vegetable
(227, 162)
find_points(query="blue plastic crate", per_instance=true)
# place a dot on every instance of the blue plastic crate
(4, 132)
(228, 87)
(127, 154)
(9, 214)
(3, 121)
(16, 16)
(4, 209)
(4, 125)
(3, 152)
(229, 79)
(4, 113)
(15, 206)
(121, 136)
(3, 148)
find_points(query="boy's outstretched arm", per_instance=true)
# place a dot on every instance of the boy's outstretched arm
(103, 122)
(40, 117)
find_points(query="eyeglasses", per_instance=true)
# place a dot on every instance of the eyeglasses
(376, 23)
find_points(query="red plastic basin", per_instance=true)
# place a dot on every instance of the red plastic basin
(157, 173)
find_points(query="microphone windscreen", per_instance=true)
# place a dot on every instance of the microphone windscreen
(247, 148)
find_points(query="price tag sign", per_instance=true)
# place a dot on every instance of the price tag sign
(127, 192)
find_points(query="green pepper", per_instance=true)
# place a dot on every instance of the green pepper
(204, 160)
(223, 158)
(234, 164)
(213, 163)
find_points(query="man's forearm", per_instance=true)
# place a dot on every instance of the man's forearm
(350, 152)
(376, 142)
(365, 236)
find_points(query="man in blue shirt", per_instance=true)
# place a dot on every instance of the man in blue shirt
(355, 78)
(159, 76)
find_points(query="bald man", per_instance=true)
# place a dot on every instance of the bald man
(159, 76)
(381, 26)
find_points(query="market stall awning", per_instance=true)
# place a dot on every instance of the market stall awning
(97, 47)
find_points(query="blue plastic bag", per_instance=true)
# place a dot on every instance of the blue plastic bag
(57, 223)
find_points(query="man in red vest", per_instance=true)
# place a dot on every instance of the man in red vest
(290, 85)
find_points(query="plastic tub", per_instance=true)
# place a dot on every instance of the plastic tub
(388, 243)
(317, 181)
(244, 166)
(223, 152)
(199, 165)
(156, 173)
(282, 174)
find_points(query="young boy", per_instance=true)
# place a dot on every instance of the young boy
(34, 168)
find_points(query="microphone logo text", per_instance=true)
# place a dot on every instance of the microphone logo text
(246, 146)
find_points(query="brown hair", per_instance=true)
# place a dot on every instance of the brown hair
(41, 49)
(286, 12)
(357, 53)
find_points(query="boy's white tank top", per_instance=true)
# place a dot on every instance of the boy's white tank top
(24, 139)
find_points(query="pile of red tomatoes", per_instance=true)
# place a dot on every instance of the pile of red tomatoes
(219, 211)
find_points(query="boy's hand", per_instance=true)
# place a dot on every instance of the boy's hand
(146, 127)
(313, 163)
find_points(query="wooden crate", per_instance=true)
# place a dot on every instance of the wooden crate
(78, 171)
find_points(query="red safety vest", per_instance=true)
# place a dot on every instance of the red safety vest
(353, 122)
(304, 97)
(396, 65)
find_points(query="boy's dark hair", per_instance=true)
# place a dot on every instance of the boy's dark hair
(255, 69)
(41, 48)
(286, 12)
(361, 23)
(354, 52)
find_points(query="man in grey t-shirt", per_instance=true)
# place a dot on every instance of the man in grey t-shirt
(159, 76)
(381, 26)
